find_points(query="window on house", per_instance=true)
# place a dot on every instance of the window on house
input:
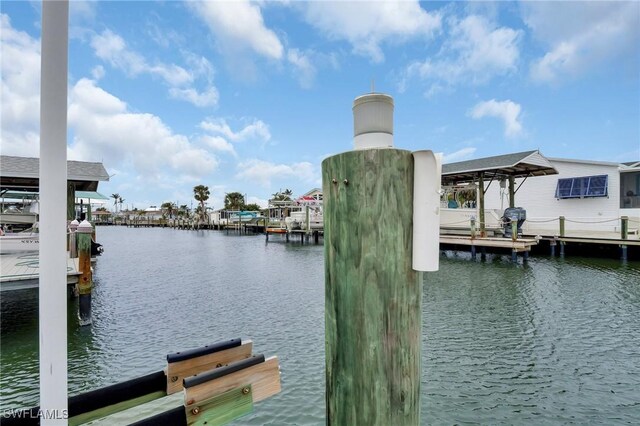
(583, 187)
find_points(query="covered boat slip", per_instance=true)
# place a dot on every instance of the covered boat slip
(505, 168)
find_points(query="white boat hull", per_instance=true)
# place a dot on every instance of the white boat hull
(15, 243)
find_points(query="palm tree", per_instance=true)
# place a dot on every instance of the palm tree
(283, 195)
(169, 208)
(115, 197)
(183, 210)
(201, 193)
(234, 201)
(120, 200)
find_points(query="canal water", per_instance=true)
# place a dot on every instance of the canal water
(553, 342)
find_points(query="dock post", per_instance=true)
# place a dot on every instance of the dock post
(286, 236)
(316, 237)
(73, 243)
(514, 256)
(83, 234)
(561, 248)
(552, 246)
(373, 296)
(514, 230)
(483, 253)
(562, 226)
(473, 252)
(483, 232)
(473, 227)
(525, 256)
(624, 235)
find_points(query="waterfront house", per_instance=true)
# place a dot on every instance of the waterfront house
(591, 195)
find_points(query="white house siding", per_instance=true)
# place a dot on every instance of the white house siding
(537, 196)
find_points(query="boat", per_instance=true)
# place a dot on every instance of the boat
(19, 242)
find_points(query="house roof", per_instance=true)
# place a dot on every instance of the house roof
(24, 172)
(519, 164)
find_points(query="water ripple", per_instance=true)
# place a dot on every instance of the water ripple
(554, 342)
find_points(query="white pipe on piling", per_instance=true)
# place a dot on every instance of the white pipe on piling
(427, 170)
(53, 213)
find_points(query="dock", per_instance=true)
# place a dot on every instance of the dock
(21, 271)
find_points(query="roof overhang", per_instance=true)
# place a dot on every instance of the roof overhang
(517, 165)
(22, 173)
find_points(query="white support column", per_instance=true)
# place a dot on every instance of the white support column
(53, 212)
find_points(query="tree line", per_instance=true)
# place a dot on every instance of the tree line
(201, 193)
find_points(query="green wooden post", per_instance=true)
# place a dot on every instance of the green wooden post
(483, 232)
(624, 227)
(373, 296)
(83, 235)
(512, 191)
(562, 226)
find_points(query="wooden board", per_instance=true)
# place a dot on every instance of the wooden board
(264, 379)
(221, 409)
(189, 367)
(519, 244)
(140, 412)
(373, 317)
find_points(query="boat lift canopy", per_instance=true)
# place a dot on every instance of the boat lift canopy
(23, 173)
(501, 167)
(516, 165)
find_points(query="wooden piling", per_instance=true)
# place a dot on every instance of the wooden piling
(561, 220)
(473, 228)
(372, 294)
(83, 234)
(483, 232)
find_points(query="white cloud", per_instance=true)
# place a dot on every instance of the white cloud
(303, 68)
(507, 111)
(581, 35)
(263, 172)
(475, 52)
(112, 48)
(367, 25)
(97, 72)
(239, 25)
(104, 128)
(255, 130)
(20, 67)
(200, 99)
(459, 155)
(218, 143)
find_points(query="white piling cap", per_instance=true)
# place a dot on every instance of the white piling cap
(85, 227)
(74, 225)
(373, 121)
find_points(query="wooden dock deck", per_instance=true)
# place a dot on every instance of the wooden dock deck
(519, 245)
(21, 271)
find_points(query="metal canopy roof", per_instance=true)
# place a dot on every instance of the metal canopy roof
(519, 164)
(23, 173)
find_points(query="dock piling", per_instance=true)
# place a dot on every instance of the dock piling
(372, 350)
(85, 283)
(624, 235)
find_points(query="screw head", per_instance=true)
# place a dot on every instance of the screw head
(195, 410)
(174, 379)
(334, 181)
(245, 391)
(346, 181)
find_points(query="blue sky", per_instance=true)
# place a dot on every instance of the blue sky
(251, 96)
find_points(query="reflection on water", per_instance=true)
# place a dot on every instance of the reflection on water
(553, 342)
